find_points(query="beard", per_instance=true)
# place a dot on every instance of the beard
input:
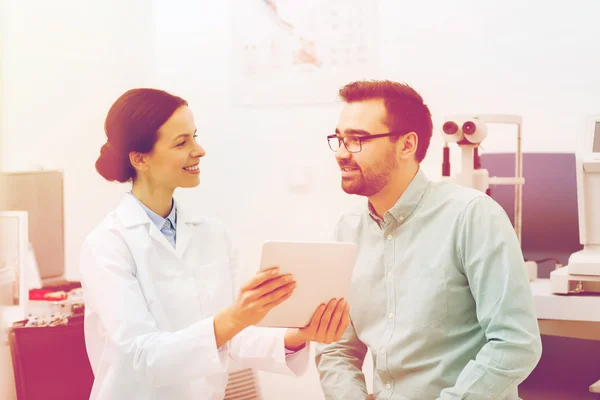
(370, 180)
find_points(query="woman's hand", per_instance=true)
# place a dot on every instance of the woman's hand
(327, 325)
(260, 295)
(255, 299)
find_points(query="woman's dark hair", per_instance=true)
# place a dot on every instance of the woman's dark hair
(132, 124)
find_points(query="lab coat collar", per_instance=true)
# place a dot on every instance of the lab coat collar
(131, 214)
(184, 214)
(156, 219)
(186, 222)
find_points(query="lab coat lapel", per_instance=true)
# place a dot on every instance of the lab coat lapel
(184, 235)
(157, 235)
(132, 214)
(186, 225)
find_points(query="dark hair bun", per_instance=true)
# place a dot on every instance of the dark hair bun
(112, 166)
(132, 125)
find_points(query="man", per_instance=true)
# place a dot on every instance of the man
(439, 292)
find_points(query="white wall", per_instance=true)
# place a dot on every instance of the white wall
(3, 18)
(66, 61)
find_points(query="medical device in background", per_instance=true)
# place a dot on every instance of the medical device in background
(550, 226)
(14, 246)
(468, 132)
(41, 194)
(582, 273)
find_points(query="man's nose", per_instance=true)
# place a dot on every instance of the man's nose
(342, 153)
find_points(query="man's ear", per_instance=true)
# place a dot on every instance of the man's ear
(408, 145)
(138, 160)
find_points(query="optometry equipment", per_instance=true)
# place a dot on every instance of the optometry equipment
(468, 132)
(582, 273)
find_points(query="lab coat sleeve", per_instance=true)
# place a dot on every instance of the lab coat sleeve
(257, 347)
(264, 349)
(112, 291)
(494, 266)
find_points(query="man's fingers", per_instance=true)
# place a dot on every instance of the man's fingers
(315, 320)
(335, 320)
(325, 318)
(260, 277)
(345, 321)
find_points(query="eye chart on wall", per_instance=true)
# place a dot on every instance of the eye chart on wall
(301, 51)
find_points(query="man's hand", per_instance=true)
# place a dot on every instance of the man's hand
(327, 325)
(371, 397)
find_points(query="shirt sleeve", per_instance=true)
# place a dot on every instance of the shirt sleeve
(494, 266)
(340, 367)
(112, 291)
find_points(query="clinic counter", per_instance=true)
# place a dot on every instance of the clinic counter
(572, 316)
(572, 307)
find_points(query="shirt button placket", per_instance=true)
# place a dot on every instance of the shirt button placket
(389, 262)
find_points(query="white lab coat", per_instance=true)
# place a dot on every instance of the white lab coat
(149, 310)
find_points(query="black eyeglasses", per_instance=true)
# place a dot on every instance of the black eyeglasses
(354, 143)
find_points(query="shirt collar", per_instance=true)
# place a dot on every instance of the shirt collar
(157, 219)
(408, 202)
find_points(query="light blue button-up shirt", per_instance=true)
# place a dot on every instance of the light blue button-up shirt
(441, 298)
(167, 226)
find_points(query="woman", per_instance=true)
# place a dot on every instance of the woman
(162, 314)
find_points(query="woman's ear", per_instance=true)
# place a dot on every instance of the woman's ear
(138, 160)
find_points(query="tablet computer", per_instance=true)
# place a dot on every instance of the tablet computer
(322, 271)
